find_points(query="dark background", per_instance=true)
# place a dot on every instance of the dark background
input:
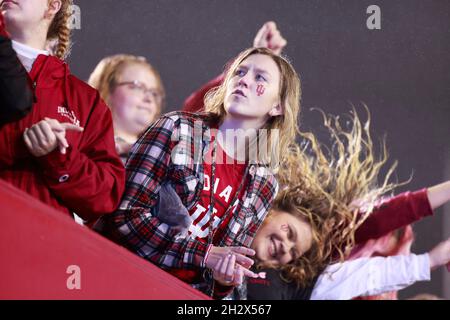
(402, 72)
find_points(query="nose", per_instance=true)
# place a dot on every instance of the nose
(148, 97)
(243, 82)
(286, 246)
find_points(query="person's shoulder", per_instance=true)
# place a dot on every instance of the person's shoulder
(81, 85)
(186, 115)
(60, 69)
(266, 178)
(190, 119)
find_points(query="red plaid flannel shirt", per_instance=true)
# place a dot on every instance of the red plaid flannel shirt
(168, 150)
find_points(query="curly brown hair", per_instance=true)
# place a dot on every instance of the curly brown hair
(334, 190)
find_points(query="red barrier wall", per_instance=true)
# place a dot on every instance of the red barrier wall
(38, 244)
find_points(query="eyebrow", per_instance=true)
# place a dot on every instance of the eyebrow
(257, 70)
(262, 71)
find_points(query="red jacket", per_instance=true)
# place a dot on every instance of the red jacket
(3, 32)
(89, 179)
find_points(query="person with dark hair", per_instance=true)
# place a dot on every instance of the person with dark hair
(63, 151)
(16, 95)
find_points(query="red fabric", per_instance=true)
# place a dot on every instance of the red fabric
(394, 213)
(95, 175)
(194, 102)
(3, 32)
(228, 178)
(38, 244)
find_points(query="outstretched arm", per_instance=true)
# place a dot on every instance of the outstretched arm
(372, 276)
(402, 210)
(439, 194)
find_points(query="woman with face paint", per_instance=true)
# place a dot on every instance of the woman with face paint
(226, 193)
(134, 91)
(407, 208)
(63, 151)
(268, 36)
(16, 96)
(330, 206)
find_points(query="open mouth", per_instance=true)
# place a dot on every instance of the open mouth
(239, 93)
(6, 2)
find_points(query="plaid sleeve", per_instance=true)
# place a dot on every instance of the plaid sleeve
(136, 224)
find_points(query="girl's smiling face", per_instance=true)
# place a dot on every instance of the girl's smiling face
(282, 238)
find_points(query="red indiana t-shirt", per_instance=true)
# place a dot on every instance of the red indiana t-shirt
(229, 175)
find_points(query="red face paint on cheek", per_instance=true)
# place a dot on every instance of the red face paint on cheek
(284, 227)
(260, 89)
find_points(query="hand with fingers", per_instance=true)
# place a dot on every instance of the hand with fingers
(230, 264)
(270, 37)
(47, 135)
(440, 255)
(227, 272)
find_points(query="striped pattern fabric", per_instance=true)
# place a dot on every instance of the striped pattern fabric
(172, 149)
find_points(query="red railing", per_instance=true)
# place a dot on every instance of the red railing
(46, 255)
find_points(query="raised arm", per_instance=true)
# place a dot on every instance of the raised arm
(401, 210)
(439, 194)
(268, 36)
(372, 276)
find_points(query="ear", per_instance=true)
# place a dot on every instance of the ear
(53, 8)
(276, 111)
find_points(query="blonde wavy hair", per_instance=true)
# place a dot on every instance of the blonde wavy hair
(332, 189)
(106, 75)
(290, 94)
(59, 33)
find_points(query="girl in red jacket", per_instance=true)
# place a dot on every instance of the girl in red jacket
(62, 152)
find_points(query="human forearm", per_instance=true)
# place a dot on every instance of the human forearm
(394, 213)
(370, 276)
(439, 194)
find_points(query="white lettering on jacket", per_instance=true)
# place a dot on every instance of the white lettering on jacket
(69, 115)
